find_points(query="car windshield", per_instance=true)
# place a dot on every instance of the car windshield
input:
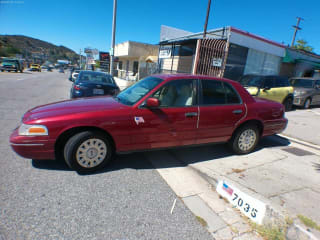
(302, 83)
(251, 81)
(96, 77)
(9, 61)
(133, 94)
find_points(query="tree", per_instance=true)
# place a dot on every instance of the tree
(302, 45)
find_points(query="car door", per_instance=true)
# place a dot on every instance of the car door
(174, 122)
(220, 109)
(316, 96)
(268, 90)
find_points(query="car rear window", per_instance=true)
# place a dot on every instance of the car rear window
(95, 77)
(282, 82)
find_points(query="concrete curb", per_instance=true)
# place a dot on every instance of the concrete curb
(275, 214)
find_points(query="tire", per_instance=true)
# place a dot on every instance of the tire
(307, 103)
(239, 143)
(288, 104)
(82, 157)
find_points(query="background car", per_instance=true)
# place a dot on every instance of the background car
(306, 91)
(271, 87)
(35, 67)
(160, 111)
(90, 83)
(11, 64)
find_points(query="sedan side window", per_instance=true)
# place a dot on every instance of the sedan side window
(179, 93)
(231, 95)
(212, 92)
(218, 93)
(269, 83)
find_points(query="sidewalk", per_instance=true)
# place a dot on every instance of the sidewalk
(304, 125)
(282, 175)
(122, 83)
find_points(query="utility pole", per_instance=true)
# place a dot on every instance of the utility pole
(80, 60)
(113, 35)
(207, 18)
(296, 28)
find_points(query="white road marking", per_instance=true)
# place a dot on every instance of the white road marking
(317, 113)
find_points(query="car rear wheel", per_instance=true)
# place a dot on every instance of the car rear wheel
(307, 103)
(88, 151)
(288, 104)
(245, 139)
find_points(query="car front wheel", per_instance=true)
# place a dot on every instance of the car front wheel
(88, 151)
(288, 104)
(245, 139)
(307, 103)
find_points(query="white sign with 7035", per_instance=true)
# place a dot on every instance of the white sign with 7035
(249, 206)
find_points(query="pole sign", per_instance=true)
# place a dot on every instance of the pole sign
(104, 58)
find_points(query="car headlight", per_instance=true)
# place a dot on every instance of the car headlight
(32, 130)
(298, 93)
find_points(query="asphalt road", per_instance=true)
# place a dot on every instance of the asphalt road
(45, 200)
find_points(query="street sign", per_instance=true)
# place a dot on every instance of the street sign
(217, 62)
(104, 58)
(165, 53)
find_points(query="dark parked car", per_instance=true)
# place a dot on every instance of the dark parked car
(159, 111)
(90, 83)
(306, 91)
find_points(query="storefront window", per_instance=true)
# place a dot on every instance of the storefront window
(236, 61)
(262, 63)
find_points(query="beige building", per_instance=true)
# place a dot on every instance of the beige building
(136, 60)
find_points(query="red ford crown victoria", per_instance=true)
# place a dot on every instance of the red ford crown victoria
(159, 111)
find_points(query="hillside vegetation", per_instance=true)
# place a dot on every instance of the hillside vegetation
(31, 48)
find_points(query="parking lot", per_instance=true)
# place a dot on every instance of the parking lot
(133, 198)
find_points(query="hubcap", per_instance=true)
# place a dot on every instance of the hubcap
(91, 153)
(247, 140)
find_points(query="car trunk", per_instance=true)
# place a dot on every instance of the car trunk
(97, 88)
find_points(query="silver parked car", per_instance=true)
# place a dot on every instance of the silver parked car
(306, 91)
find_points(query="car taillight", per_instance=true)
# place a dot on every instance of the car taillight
(76, 87)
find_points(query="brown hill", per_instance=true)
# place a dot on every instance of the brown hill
(32, 48)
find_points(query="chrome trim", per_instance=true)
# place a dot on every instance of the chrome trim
(27, 144)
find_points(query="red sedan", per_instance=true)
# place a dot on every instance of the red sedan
(159, 111)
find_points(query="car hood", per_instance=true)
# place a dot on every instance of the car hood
(252, 90)
(300, 89)
(70, 107)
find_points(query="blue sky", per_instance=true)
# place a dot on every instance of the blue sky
(77, 24)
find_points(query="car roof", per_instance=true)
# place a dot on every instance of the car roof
(188, 76)
(305, 78)
(88, 71)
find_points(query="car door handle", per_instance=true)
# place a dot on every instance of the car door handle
(238, 111)
(191, 114)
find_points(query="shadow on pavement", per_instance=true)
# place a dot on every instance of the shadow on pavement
(317, 166)
(50, 165)
(174, 157)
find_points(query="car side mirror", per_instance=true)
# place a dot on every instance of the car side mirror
(266, 89)
(153, 103)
